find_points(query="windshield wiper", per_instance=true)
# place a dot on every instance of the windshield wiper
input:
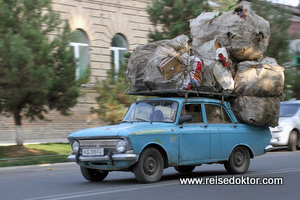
(140, 119)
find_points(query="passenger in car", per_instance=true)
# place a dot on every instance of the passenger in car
(214, 116)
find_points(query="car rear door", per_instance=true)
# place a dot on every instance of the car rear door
(224, 134)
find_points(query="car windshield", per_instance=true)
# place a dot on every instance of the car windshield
(288, 110)
(152, 111)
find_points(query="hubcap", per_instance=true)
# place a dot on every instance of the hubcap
(238, 158)
(150, 165)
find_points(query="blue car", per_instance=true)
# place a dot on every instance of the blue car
(169, 132)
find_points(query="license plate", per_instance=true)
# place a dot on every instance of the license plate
(93, 152)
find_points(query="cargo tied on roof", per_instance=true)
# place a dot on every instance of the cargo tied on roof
(243, 33)
(225, 57)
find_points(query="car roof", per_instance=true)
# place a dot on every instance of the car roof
(297, 102)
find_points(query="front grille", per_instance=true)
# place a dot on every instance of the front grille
(104, 143)
(107, 144)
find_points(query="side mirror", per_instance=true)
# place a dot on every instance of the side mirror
(185, 118)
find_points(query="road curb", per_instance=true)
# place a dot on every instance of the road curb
(35, 167)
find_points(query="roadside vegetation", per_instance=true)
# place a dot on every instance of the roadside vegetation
(33, 154)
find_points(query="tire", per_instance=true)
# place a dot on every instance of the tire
(93, 175)
(239, 161)
(150, 166)
(184, 169)
(293, 141)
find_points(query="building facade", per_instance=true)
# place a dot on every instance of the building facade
(102, 32)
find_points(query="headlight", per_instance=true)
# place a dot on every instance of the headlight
(277, 129)
(121, 146)
(75, 146)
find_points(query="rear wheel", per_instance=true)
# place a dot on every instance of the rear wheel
(239, 161)
(293, 141)
(184, 169)
(93, 175)
(150, 166)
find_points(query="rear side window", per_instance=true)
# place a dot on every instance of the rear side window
(216, 114)
(195, 111)
(288, 110)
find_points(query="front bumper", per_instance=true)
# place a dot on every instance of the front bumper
(280, 138)
(115, 157)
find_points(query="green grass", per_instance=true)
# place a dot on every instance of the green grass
(34, 154)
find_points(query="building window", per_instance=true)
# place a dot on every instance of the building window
(80, 44)
(118, 50)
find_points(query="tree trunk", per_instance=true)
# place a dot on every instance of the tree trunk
(18, 124)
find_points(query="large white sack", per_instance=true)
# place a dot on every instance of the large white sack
(138, 61)
(263, 78)
(153, 78)
(244, 34)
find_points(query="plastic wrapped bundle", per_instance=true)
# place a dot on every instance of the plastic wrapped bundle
(258, 111)
(139, 59)
(218, 67)
(192, 72)
(154, 78)
(243, 33)
(263, 78)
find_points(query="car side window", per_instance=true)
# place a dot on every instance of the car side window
(216, 114)
(195, 111)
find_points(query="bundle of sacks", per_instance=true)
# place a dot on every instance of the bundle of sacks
(163, 65)
(226, 54)
(258, 81)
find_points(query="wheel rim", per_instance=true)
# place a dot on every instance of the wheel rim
(151, 166)
(239, 158)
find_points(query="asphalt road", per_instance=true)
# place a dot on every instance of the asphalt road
(64, 181)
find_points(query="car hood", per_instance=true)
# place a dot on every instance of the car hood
(282, 122)
(123, 129)
(285, 120)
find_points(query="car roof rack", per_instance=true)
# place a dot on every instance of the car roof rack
(185, 93)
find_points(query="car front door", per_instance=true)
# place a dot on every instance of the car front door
(194, 144)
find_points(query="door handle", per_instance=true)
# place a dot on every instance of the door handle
(204, 126)
(233, 126)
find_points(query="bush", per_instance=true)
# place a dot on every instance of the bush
(113, 102)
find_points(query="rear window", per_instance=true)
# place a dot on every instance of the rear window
(216, 114)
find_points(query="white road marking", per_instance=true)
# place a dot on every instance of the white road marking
(102, 191)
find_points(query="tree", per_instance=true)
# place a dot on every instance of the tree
(291, 86)
(113, 101)
(171, 17)
(37, 74)
(279, 18)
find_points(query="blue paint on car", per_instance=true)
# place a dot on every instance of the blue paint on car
(210, 136)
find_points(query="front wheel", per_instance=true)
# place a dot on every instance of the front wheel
(293, 141)
(239, 161)
(93, 175)
(150, 166)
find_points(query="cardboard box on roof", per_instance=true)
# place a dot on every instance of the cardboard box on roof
(170, 65)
